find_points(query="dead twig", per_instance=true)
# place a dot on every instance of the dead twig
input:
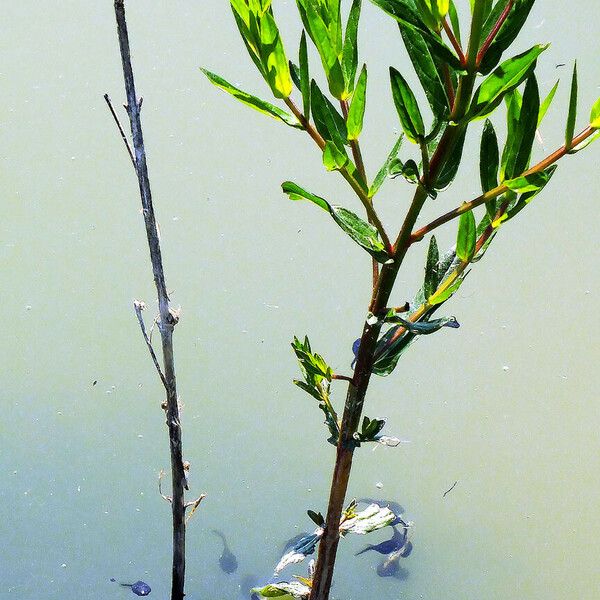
(121, 130)
(139, 306)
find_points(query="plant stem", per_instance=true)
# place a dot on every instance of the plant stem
(364, 361)
(453, 41)
(360, 167)
(168, 318)
(354, 184)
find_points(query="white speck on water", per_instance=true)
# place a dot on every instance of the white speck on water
(28, 307)
(63, 566)
(15, 472)
(79, 488)
(140, 435)
(175, 218)
(564, 377)
(309, 490)
(138, 510)
(270, 305)
(506, 368)
(587, 292)
(379, 485)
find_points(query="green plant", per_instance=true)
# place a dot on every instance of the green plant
(463, 84)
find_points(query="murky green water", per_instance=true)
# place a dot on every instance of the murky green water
(507, 405)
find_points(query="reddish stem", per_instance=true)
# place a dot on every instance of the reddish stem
(454, 42)
(493, 33)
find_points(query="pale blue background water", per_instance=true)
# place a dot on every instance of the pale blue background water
(78, 463)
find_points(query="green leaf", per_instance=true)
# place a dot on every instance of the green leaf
(323, 24)
(328, 121)
(508, 32)
(304, 75)
(529, 183)
(316, 518)
(333, 158)
(409, 170)
(466, 238)
(407, 13)
(363, 233)
(510, 74)
(489, 158)
(357, 106)
(383, 171)
(431, 272)
(426, 70)
(572, 116)
(350, 52)
(283, 590)
(522, 123)
(546, 103)
(441, 296)
(407, 107)
(536, 187)
(252, 101)
(451, 164)
(595, 115)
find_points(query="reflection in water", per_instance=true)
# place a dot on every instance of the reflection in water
(396, 548)
(139, 588)
(227, 561)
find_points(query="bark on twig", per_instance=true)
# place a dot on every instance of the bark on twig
(168, 317)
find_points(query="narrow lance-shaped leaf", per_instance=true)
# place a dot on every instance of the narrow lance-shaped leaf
(489, 157)
(350, 52)
(521, 130)
(333, 158)
(304, 75)
(466, 238)
(363, 233)
(531, 186)
(529, 183)
(406, 12)
(572, 116)
(431, 272)
(383, 171)
(546, 103)
(252, 101)
(426, 70)
(328, 121)
(450, 166)
(505, 78)
(357, 106)
(407, 107)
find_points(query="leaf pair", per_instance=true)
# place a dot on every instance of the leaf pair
(260, 33)
(339, 53)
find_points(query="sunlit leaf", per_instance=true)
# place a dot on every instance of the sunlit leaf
(252, 101)
(333, 158)
(357, 106)
(502, 80)
(529, 183)
(546, 103)
(595, 115)
(466, 237)
(572, 115)
(350, 52)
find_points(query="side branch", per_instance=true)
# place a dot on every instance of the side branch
(121, 130)
(139, 306)
(419, 234)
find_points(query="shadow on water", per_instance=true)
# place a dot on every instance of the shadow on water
(396, 548)
(227, 561)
